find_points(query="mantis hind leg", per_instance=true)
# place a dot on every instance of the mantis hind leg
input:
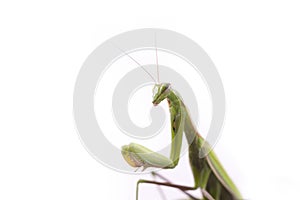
(168, 184)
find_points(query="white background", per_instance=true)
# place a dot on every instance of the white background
(255, 46)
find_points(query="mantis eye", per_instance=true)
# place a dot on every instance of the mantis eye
(155, 90)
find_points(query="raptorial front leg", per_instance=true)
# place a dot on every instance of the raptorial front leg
(139, 156)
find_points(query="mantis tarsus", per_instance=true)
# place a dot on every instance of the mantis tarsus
(209, 175)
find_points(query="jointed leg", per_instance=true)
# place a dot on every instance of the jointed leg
(161, 192)
(180, 187)
(154, 174)
(203, 191)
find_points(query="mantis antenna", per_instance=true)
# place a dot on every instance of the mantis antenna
(157, 70)
(135, 62)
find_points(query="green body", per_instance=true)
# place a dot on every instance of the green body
(209, 175)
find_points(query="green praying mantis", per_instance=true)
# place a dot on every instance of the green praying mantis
(209, 175)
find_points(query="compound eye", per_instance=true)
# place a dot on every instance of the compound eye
(155, 90)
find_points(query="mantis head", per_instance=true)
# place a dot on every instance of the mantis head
(160, 92)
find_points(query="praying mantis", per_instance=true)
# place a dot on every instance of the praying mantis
(209, 175)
